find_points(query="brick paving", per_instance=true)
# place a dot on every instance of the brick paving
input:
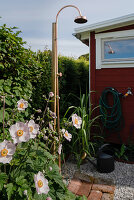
(92, 188)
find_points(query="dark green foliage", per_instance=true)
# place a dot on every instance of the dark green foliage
(75, 79)
(21, 173)
(42, 85)
(16, 66)
(84, 57)
(27, 75)
(24, 72)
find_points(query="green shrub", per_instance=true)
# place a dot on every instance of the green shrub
(75, 79)
(42, 85)
(16, 67)
(26, 74)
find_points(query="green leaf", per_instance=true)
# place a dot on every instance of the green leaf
(48, 155)
(26, 113)
(1, 66)
(8, 82)
(1, 82)
(20, 191)
(8, 102)
(7, 89)
(21, 180)
(57, 178)
(40, 196)
(6, 115)
(10, 190)
(17, 88)
(17, 92)
(3, 180)
(60, 196)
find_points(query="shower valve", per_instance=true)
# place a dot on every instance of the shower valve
(129, 92)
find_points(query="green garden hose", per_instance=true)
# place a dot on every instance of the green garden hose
(111, 115)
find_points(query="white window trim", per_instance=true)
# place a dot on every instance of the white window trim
(112, 35)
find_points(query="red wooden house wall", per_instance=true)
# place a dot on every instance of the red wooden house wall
(118, 78)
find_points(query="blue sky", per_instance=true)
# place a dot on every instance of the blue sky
(34, 18)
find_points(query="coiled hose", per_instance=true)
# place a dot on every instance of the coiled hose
(111, 115)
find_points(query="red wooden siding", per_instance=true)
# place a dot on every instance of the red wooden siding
(120, 79)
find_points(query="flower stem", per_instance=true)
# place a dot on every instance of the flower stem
(5, 168)
(44, 111)
(3, 117)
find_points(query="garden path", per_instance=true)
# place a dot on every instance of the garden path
(121, 179)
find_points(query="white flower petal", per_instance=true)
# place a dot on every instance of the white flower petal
(59, 149)
(63, 130)
(48, 198)
(5, 160)
(2, 145)
(22, 104)
(25, 132)
(32, 136)
(13, 130)
(44, 188)
(33, 128)
(51, 94)
(6, 152)
(77, 121)
(67, 135)
(11, 148)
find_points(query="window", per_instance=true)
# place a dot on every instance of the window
(115, 49)
(119, 49)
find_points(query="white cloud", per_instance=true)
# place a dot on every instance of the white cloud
(35, 18)
(72, 48)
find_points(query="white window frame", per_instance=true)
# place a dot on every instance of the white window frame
(116, 63)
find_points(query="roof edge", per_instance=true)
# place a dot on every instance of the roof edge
(124, 20)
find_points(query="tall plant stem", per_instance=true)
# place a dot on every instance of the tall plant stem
(3, 117)
(44, 111)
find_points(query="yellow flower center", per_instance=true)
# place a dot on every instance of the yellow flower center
(4, 152)
(40, 183)
(76, 121)
(31, 128)
(66, 134)
(21, 105)
(20, 133)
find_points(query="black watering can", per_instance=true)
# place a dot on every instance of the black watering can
(105, 159)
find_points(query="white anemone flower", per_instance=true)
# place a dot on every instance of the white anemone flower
(67, 135)
(45, 137)
(51, 126)
(50, 168)
(56, 138)
(7, 149)
(51, 94)
(25, 193)
(41, 183)
(59, 149)
(33, 128)
(48, 198)
(52, 114)
(19, 132)
(22, 104)
(77, 121)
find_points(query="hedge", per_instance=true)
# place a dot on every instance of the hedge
(75, 79)
(27, 73)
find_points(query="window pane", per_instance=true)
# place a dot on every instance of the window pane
(119, 49)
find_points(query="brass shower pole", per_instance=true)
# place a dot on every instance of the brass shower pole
(55, 75)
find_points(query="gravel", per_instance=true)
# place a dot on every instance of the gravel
(122, 177)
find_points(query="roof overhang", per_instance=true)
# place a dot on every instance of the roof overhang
(83, 33)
